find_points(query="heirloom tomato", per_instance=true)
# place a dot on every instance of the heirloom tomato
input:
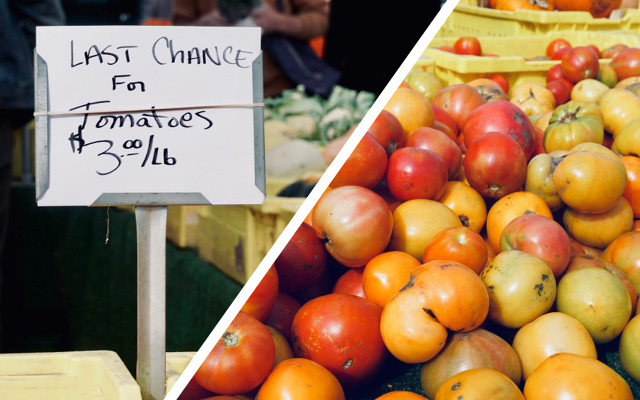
(299, 378)
(539, 179)
(424, 83)
(350, 282)
(282, 314)
(302, 260)
(573, 123)
(619, 107)
(549, 334)
(439, 295)
(627, 141)
(387, 130)
(632, 189)
(468, 46)
(416, 173)
(458, 101)
(385, 274)
(580, 63)
(342, 333)
(627, 63)
(246, 345)
(355, 222)
(503, 117)
(401, 395)
(411, 108)
(521, 287)
(572, 376)
(588, 90)
(600, 229)
(624, 253)
(440, 143)
(508, 208)
(479, 384)
(478, 348)
(629, 350)
(466, 202)
(533, 98)
(495, 165)
(555, 45)
(459, 244)
(416, 222)
(264, 297)
(597, 299)
(365, 166)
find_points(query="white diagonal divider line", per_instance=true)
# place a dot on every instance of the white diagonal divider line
(312, 199)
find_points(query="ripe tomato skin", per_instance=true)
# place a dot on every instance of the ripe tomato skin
(387, 130)
(416, 173)
(342, 333)
(350, 283)
(627, 63)
(495, 165)
(467, 46)
(556, 45)
(460, 244)
(466, 202)
(479, 384)
(247, 345)
(555, 73)
(282, 314)
(560, 91)
(355, 221)
(386, 274)
(440, 143)
(572, 376)
(401, 395)
(580, 63)
(560, 53)
(261, 301)
(302, 260)
(365, 166)
(458, 101)
(501, 81)
(299, 378)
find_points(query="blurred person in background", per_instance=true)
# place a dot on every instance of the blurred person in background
(369, 40)
(18, 21)
(300, 19)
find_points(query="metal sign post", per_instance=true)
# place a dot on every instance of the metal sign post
(151, 223)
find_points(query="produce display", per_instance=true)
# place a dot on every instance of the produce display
(482, 241)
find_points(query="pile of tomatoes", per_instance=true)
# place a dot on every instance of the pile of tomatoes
(488, 235)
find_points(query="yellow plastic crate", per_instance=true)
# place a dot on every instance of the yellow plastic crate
(425, 64)
(235, 238)
(176, 364)
(88, 375)
(514, 54)
(467, 19)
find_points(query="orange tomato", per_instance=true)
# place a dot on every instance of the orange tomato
(299, 378)
(479, 384)
(624, 253)
(459, 244)
(571, 376)
(385, 274)
(466, 202)
(508, 208)
(632, 189)
(533, 98)
(416, 222)
(599, 230)
(401, 395)
(412, 109)
(440, 295)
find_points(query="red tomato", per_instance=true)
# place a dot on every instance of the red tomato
(560, 91)
(459, 244)
(595, 50)
(627, 63)
(580, 63)
(365, 166)
(444, 122)
(438, 142)
(261, 301)
(612, 51)
(495, 165)
(282, 314)
(350, 283)
(387, 130)
(342, 333)
(555, 73)
(245, 346)
(355, 222)
(560, 53)
(415, 173)
(458, 101)
(468, 46)
(556, 45)
(538, 148)
(502, 81)
(500, 116)
(302, 260)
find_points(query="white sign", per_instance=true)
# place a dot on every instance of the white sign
(149, 115)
